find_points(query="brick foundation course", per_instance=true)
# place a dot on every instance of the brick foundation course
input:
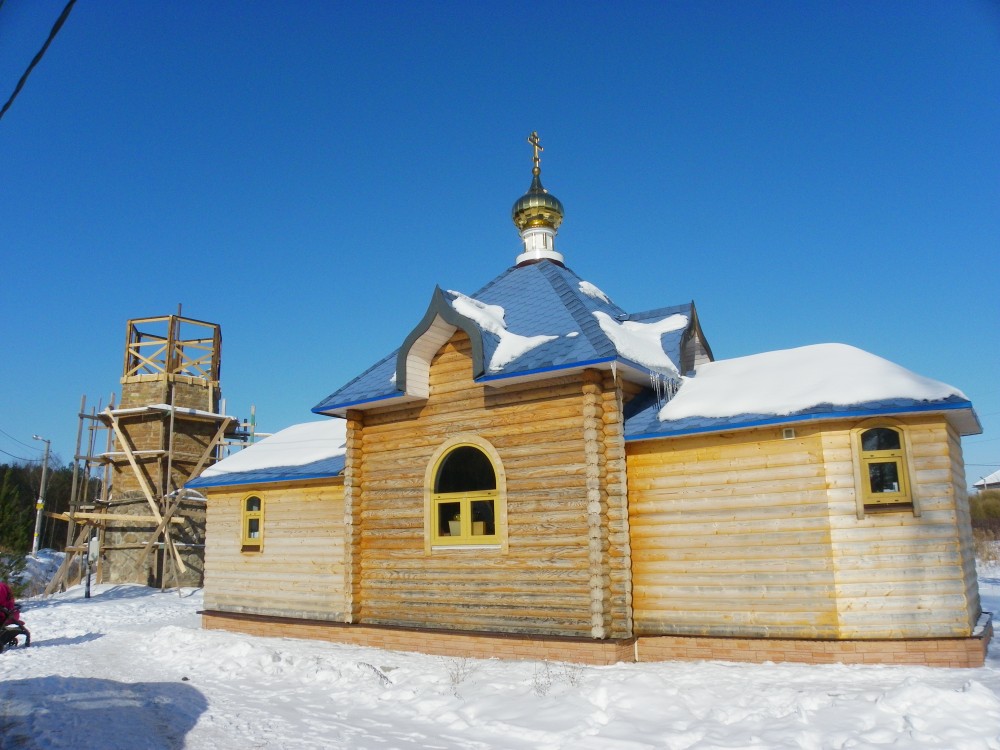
(932, 652)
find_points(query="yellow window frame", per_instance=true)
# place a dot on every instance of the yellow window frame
(466, 528)
(432, 500)
(252, 543)
(900, 457)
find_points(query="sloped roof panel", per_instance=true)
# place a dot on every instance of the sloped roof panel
(322, 469)
(532, 318)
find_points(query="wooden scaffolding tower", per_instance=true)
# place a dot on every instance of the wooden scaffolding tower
(165, 430)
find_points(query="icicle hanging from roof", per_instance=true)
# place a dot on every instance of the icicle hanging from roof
(664, 387)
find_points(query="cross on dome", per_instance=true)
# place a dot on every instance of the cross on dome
(537, 214)
(536, 144)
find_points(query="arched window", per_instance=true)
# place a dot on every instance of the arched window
(883, 466)
(465, 498)
(253, 524)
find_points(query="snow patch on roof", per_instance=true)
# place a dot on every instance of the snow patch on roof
(491, 318)
(790, 380)
(640, 342)
(592, 291)
(993, 478)
(294, 446)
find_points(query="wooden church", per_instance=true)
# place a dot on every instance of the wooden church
(538, 473)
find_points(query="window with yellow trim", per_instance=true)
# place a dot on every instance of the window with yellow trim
(464, 500)
(253, 523)
(883, 467)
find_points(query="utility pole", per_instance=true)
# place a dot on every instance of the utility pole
(40, 505)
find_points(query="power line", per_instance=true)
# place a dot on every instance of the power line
(19, 458)
(37, 58)
(26, 445)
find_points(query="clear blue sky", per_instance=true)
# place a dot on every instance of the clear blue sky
(304, 174)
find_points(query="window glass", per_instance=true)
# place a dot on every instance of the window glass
(883, 477)
(483, 523)
(880, 439)
(449, 519)
(466, 469)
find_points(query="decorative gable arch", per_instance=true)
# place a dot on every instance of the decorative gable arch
(413, 362)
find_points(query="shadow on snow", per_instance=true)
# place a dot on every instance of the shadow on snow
(117, 592)
(64, 641)
(80, 713)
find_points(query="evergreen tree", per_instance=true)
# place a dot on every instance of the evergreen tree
(15, 512)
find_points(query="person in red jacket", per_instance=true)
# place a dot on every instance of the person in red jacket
(8, 603)
(11, 627)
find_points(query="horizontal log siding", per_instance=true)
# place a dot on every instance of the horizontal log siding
(964, 516)
(300, 570)
(542, 583)
(747, 534)
(731, 536)
(901, 575)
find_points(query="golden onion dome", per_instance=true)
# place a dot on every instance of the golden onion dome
(537, 207)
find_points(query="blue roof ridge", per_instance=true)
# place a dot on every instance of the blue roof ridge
(493, 282)
(570, 294)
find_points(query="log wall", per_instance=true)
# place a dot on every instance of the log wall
(898, 574)
(731, 536)
(748, 534)
(299, 571)
(553, 575)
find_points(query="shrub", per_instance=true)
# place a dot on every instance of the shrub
(986, 543)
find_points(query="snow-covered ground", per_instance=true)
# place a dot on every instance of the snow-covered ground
(130, 668)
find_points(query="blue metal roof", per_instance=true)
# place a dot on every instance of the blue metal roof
(322, 469)
(538, 299)
(642, 420)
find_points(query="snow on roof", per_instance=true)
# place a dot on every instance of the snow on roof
(538, 318)
(792, 380)
(491, 318)
(993, 478)
(640, 341)
(295, 446)
(592, 291)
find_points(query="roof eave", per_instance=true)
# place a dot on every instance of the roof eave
(960, 415)
(247, 480)
(625, 368)
(388, 399)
